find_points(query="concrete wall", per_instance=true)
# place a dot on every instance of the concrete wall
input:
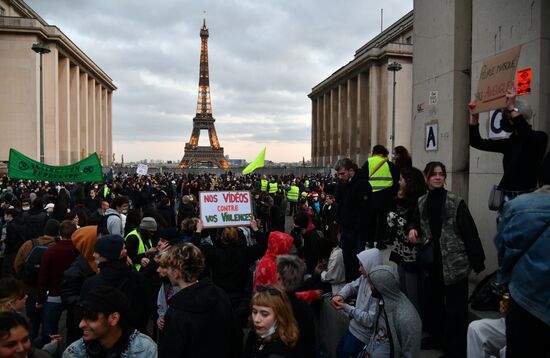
(497, 26)
(451, 39)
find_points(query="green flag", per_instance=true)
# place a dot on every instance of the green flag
(23, 167)
(256, 163)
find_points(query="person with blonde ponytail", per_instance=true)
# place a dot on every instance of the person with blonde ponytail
(274, 330)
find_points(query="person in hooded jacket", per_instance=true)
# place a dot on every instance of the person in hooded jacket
(114, 271)
(397, 327)
(83, 266)
(278, 243)
(363, 313)
(199, 321)
(36, 219)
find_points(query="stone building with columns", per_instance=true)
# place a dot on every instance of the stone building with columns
(77, 93)
(352, 109)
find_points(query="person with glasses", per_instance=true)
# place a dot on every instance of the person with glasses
(105, 329)
(448, 248)
(274, 330)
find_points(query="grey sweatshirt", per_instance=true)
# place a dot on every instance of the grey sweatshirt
(363, 314)
(403, 321)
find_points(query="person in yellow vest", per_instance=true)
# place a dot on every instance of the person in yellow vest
(263, 184)
(273, 187)
(292, 196)
(384, 179)
(141, 241)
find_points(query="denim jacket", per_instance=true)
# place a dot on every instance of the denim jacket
(523, 244)
(140, 346)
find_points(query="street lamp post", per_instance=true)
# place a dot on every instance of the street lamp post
(41, 48)
(393, 67)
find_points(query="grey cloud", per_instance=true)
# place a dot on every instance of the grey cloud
(265, 56)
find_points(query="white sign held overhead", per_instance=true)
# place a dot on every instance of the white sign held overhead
(494, 131)
(142, 169)
(225, 208)
(431, 136)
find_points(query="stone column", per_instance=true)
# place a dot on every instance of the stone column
(91, 116)
(320, 132)
(110, 123)
(75, 114)
(363, 117)
(98, 118)
(104, 125)
(83, 131)
(334, 126)
(64, 110)
(343, 121)
(353, 125)
(314, 123)
(51, 107)
(326, 129)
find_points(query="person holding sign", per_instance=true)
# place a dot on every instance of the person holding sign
(523, 150)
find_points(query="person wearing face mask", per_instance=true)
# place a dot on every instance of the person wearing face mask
(274, 330)
(141, 242)
(448, 248)
(522, 151)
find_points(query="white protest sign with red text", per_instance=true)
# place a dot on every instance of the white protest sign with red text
(225, 208)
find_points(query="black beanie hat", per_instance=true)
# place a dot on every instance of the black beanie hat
(51, 228)
(104, 299)
(544, 176)
(109, 246)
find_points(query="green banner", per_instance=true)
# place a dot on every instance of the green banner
(23, 167)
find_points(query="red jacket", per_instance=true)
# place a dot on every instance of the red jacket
(54, 262)
(278, 243)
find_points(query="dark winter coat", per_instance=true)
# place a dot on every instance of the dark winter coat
(353, 202)
(200, 323)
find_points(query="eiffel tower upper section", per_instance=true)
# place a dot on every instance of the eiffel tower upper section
(203, 120)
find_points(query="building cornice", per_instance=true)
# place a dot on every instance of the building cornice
(52, 34)
(375, 51)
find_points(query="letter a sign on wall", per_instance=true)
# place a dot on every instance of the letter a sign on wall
(431, 136)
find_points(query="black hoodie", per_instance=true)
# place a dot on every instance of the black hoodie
(200, 323)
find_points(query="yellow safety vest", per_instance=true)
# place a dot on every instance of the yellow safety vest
(141, 247)
(306, 184)
(264, 185)
(273, 187)
(381, 179)
(106, 191)
(293, 193)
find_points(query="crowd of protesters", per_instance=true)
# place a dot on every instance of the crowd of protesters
(139, 276)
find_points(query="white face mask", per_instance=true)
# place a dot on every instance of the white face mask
(270, 331)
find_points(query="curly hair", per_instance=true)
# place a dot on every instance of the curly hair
(287, 328)
(187, 259)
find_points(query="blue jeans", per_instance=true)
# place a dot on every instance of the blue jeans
(349, 346)
(50, 319)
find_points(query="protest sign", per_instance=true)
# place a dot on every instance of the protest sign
(225, 208)
(523, 82)
(496, 77)
(142, 169)
(22, 167)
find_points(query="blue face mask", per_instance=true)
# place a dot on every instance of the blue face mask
(270, 331)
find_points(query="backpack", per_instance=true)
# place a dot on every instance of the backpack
(103, 223)
(32, 261)
(485, 296)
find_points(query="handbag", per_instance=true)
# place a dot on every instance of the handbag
(425, 254)
(496, 198)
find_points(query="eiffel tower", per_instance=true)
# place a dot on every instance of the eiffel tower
(195, 154)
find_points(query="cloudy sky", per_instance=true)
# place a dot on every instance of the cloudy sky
(265, 56)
